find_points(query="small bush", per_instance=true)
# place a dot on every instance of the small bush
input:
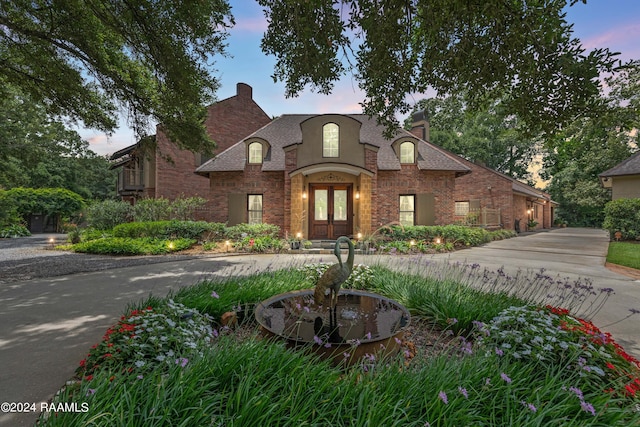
(166, 229)
(260, 244)
(107, 214)
(458, 234)
(126, 246)
(240, 231)
(14, 231)
(623, 215)
(147, 210)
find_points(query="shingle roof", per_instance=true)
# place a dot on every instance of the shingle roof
(630, 166)
(285, 131)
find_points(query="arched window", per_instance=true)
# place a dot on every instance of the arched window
(255, 152)
(330, 140)
(407, 152)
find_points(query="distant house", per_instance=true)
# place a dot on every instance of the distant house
(623, 179)
(325, 175)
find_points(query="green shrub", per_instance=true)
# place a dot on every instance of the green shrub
(260, 244)
(15, 230)
(240, 231)
(623, 215)
(127, 246)
(107, 214)
(184, 209)
(166, 229)
(458, 234)
(93, 234)
(161, 209)
(147, 210)
(21, 202)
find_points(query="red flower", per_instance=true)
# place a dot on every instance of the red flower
(88, 377)
(83, 362)
(610, 366)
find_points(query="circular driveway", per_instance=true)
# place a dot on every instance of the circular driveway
(48, 324)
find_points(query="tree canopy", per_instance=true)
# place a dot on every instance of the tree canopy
(38, 152)
(84, 59)
(520, 51)
(486, 136)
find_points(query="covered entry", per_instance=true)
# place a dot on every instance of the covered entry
(330, 211)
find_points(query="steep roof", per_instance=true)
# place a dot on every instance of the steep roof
(285, 131)
(630, 166)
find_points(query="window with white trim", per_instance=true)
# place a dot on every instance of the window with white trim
(330, 140)
(255, 153)
(254, 208)
(407, 209)
(407, 152)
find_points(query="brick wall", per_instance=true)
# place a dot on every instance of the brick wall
(250, 181)
(227, 122)
(493, 190)
(411, 180)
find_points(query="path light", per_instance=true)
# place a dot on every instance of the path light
(299, 235)
(437, 240)
(412, 242)
(52, 242)
(171, 246)
(359, 236)
(227, 244)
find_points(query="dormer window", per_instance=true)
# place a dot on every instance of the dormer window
(407, 153)
(255, 153)
(330, 140)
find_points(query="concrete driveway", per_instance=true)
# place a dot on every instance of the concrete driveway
(48, 325)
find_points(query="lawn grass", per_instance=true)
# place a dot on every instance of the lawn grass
(580, 377)
(625, 254)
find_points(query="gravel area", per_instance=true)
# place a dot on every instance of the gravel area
(29, 258)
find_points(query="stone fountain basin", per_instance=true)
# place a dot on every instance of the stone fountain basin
(369, 325)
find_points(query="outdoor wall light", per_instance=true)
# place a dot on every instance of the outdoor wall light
(359, 236)
(304, 191)
(299, 235)
(357, 193)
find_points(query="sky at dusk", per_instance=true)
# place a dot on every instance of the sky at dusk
(598, 24)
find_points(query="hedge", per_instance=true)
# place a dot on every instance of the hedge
(623, 215)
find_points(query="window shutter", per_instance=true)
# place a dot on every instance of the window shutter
(425, 209)
(237, 209)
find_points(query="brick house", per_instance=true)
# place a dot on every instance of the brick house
(325, 175)
(155, 167)
(322, 176)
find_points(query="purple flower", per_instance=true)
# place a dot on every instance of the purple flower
(499, 351)
(443, 396)
(398, 341)
(139, 377)
(487, 381)
(317, 340)
(577, 391)
(505, 377)
(587, 407)
(607, 291)
(368, 336)
(91, 391)
(327, 345)
(346, 355)
(452, 321)
(463, 391)
(305, 308)
(529, 406)
(215, 294)
(182, 361)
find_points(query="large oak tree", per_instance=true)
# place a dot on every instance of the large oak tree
(520, 51)
(84, 59)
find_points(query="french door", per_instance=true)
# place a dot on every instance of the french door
(330, 211)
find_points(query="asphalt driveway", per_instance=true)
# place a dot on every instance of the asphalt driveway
(48, 325)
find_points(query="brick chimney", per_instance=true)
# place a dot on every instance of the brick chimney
(420, 125)
(244, 91)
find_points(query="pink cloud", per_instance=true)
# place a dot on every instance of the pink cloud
(622, 38)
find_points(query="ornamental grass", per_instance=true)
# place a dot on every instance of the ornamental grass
(508, 360)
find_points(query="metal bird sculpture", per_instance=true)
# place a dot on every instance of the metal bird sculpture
(331, 280)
